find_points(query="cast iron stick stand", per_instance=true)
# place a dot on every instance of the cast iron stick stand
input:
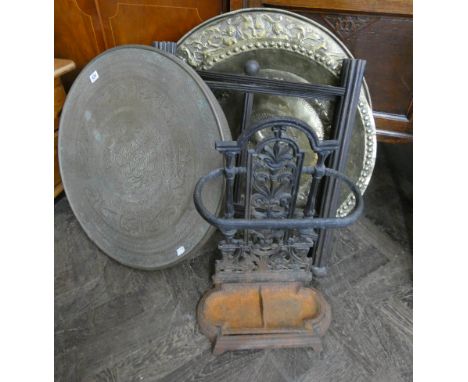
(260, 299)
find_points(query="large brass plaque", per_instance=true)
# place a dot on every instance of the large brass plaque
(290, 47)
(137, 131)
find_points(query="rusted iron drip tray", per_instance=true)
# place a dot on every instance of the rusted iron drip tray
(263, 315)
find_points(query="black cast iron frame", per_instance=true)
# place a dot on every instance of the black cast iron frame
(346, 97)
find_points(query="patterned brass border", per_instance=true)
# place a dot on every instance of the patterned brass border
(251, 29)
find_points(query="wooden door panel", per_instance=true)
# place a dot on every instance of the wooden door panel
(77, 34)
(144, 21)
(77, 31)
(162, 23)
(86, 28)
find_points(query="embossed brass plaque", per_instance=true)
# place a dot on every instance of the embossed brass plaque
(290, 47)
(137, 131)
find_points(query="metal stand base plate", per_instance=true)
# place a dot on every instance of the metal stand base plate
(266, 341)
(263, 315)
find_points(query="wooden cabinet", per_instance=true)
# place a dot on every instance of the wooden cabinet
(380, 32)
(85, 28)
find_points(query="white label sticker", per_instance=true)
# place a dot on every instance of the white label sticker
(180, 251)
(94, 76)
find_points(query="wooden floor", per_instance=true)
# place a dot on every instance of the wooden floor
(113, 323)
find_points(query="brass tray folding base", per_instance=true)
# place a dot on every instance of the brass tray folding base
(263, 316)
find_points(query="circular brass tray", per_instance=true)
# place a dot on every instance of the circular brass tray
(290, 47)
(137, 131)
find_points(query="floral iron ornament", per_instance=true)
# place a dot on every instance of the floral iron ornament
(270, 234)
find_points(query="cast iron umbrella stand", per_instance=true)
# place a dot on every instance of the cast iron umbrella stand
(271, 247)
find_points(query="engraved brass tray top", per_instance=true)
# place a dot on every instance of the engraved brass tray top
(289, 47)
(137, 132)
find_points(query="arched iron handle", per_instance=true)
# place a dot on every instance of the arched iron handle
(303, 223)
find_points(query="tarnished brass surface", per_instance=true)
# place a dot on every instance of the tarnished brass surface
(290, 47)
(137, 132)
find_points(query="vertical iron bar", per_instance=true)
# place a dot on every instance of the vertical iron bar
(352, 74)
(230, 160)
(246, 114)
(248, 191)
(309, 209)
(247, 111)
(251, 68)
